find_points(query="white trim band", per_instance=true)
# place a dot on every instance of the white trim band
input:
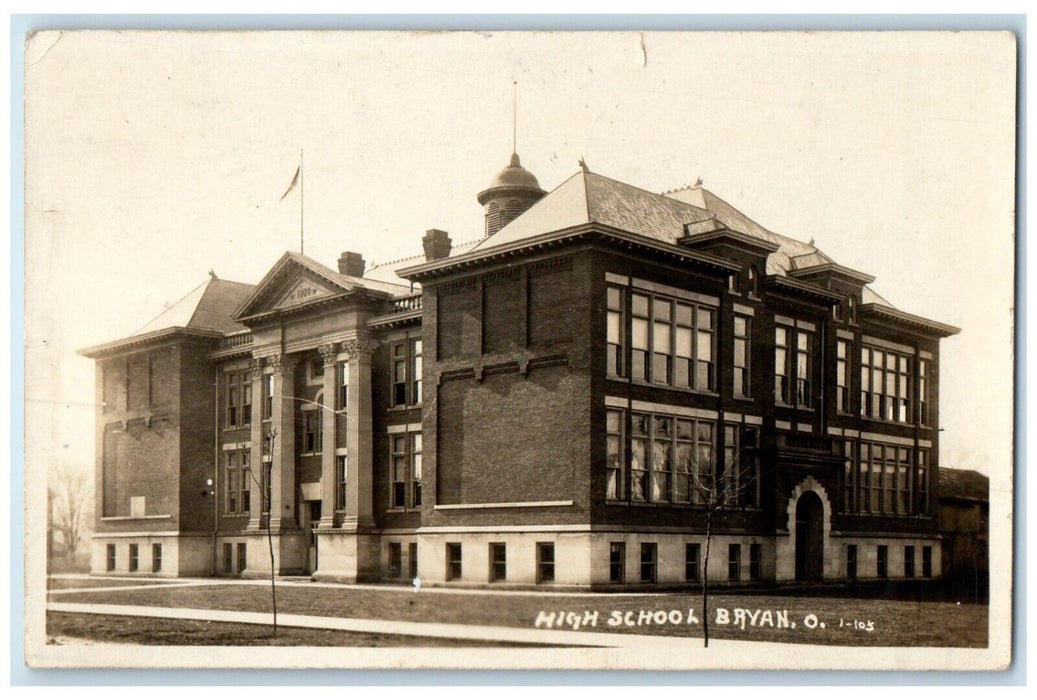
(524, 504)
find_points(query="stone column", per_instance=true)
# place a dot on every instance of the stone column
(255, 489)
(328, 477)
(360, 437)
(282, 471)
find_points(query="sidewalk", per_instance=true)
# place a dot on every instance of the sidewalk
(390, 627)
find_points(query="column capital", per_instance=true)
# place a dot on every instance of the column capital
(329, 353)
(360, 348)
(282, 363)
(255, 366)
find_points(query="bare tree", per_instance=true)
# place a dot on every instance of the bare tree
(716, 490)
(68, 494)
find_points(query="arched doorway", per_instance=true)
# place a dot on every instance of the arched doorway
(809, 537)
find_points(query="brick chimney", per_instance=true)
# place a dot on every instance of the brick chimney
(352, 264)
(436, 244)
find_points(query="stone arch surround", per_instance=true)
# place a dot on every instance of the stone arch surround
(785, 546)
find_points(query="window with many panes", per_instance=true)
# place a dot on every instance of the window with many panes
(842, 376)
(885, 385)
(884, 484)
(616, 331)
(672, 342)
(741, 356)
(406, 372)
(793, 369)
(671, 458)
(406, 470)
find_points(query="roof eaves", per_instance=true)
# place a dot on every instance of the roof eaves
(96, 351)
(804, 287)
(849, 273)
(942, 329)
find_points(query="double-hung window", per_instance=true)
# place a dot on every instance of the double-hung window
(742, 325)
(312, 431)
(406, 372)
(842, 376)
(614, 454)
(615, 331)
(343, 385)
(239, 399)
(406, 470)
(238, 475)
(793, 368)
(923, 392)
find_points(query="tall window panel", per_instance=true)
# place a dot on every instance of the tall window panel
(742, 325)
(639, 337)
(922, 482)
(399, 374)
(842, 376)
(343, 385)
(804, 385)
(341, 480)
(615, 332)
(782, 380)
(268, 396)
(405, 470)
(923, 392)
(415, 372)
(614, 454)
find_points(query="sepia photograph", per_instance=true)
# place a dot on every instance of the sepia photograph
(519, 350)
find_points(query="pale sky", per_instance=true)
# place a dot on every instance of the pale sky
(153, 157)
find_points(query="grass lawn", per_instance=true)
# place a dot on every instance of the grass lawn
(72, 628)
(846, 620)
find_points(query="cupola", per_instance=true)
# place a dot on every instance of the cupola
(512, 191)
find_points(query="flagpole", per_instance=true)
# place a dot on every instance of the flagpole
(302, 200)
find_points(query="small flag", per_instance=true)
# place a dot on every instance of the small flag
(295, 181)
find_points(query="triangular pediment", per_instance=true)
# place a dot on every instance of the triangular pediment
(304, 291)
(293, 282)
